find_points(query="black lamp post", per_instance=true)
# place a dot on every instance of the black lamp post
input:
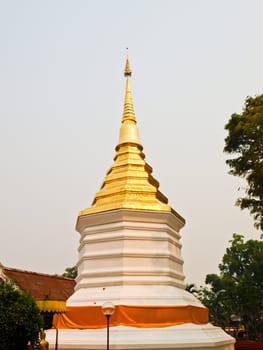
(108, 310)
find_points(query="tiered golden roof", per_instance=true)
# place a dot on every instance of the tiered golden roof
(129, 183)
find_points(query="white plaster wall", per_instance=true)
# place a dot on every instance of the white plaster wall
(130, 260)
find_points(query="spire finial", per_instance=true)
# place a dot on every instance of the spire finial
(127, 71)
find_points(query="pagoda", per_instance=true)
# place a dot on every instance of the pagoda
(130, 256)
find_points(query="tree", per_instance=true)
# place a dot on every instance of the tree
(20, 319)
(238, 289)
(212, 299)
(71, 272)
(245, 139)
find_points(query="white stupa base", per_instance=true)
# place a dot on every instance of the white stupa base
(186, 336)
(133, 295)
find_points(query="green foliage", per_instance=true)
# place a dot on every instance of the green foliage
(20, 319)
(238, 289)
(245, 139)
(191, 288)
(71, 272)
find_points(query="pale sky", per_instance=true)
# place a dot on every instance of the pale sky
(61, 92)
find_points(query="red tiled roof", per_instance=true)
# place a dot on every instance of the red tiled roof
(42, 286)
(248, 345)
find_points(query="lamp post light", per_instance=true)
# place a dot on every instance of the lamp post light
(108, 309)
(236, 321)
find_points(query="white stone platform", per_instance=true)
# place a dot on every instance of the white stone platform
(185, 337)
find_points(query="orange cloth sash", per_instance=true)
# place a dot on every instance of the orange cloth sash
(85, 317)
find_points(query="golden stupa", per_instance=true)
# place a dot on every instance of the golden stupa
(129, 183)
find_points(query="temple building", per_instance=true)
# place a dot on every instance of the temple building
(130, 256)
(49, 291)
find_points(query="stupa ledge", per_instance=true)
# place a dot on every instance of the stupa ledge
(172, 218)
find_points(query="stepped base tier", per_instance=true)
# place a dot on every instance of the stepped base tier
(184, 337)
(130, 257)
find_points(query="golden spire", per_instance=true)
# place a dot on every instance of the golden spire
(128, 131)
(129, 183)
